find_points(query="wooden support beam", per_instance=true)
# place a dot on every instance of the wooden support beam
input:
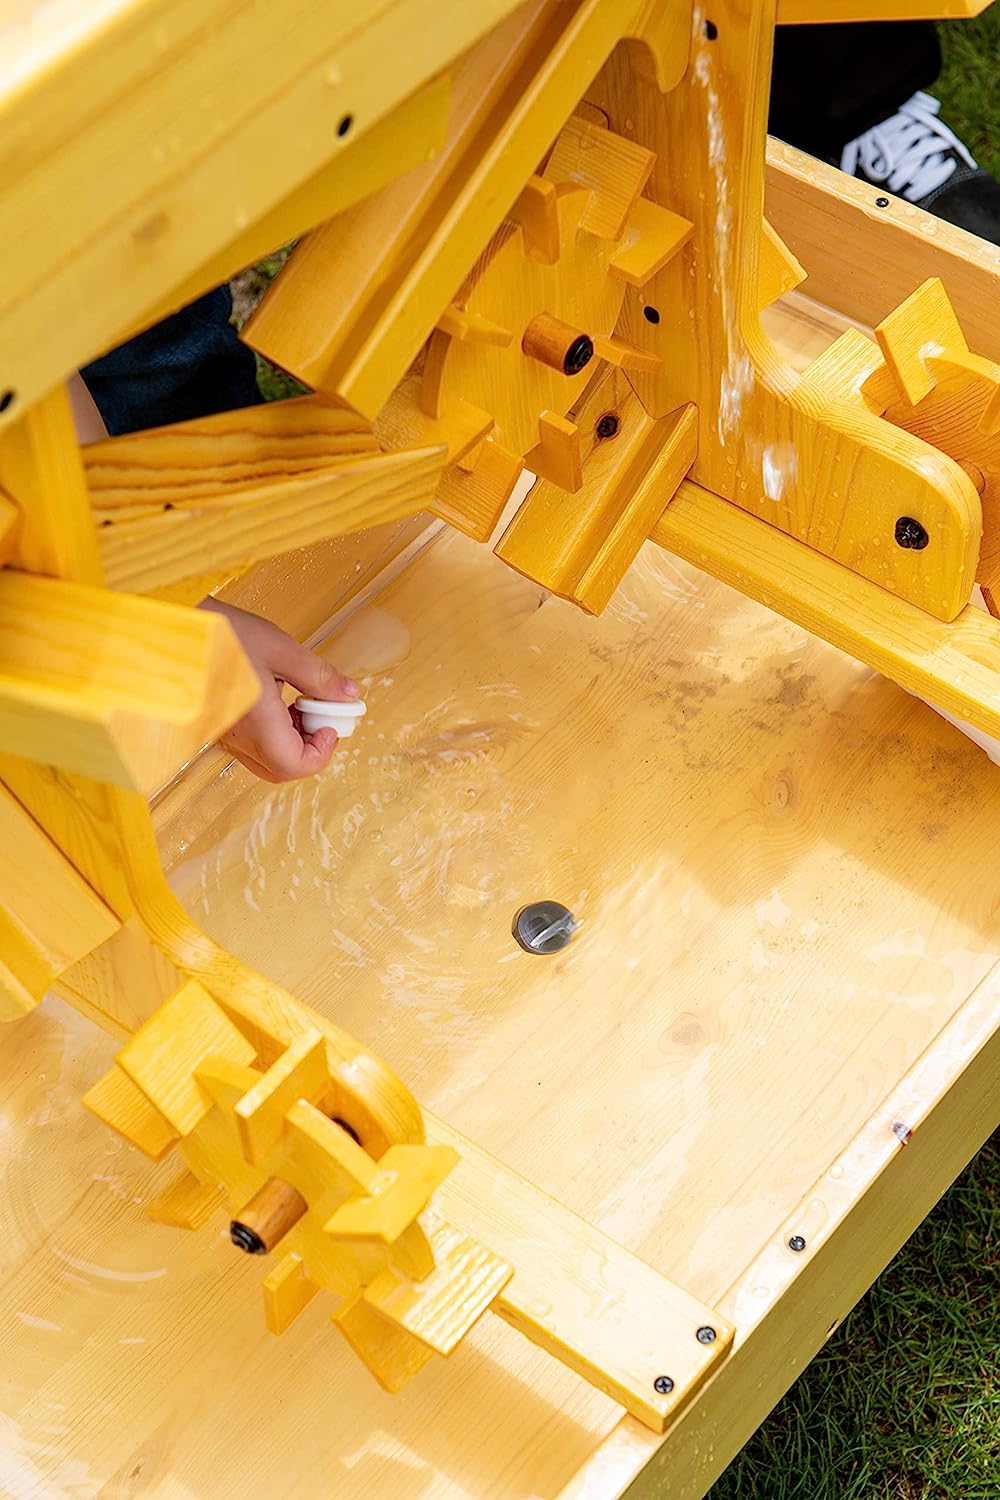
(121, 689)
(240, 527)
(809, 12)
(49, 916)
(377, 279)
(956, 665)
(162, 128)
(407, 136)
(862, 259)
(228, 451)
(42, 473)
(581, 545)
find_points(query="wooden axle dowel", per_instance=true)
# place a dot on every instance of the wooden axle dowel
(272, 1211)
(557, 344)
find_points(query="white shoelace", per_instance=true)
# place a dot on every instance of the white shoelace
(910, 152)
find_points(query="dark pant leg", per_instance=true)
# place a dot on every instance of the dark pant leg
(832, 83)
(189, 365)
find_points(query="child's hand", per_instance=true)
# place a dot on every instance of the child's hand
(270, 740)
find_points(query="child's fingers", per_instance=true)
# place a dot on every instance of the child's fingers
(309, 673)
(268, 738)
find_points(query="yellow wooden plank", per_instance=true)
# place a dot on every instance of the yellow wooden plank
(407, 1177)
(162, 1056)
(780, 272)
(230, 450)
(287, 1290)
(41, 471)
(186, 1203)
(473, 500)
(455, 432)
(834, 223)
(117, 1101)
(614, 168)
(49, 916)
(956, 665)
(440, 1310)
(402, 256)
(391, 1355)
(821, 470)
(301, 1072)
(580, 545)
(408, 135)
(244, 525)
(576, 1293)
(111, 686)
(809, 12)
(163, 128)
(10, 518)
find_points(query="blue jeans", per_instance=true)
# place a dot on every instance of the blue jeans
(189, 365)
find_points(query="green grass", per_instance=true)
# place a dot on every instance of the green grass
(969, 86)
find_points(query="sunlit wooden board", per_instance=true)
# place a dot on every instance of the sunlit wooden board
(784, 869)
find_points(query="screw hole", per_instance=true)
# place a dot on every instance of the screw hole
(881, 203)
(607, 426)
(7, 399)
(910, 534)
(651, 314)
(711, 31)
(345, 124)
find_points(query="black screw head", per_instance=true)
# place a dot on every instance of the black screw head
(544, 927)
(651, 314)
(345, 124)
(706, 1335)
(246, 1239)
(6, 399)
(881, 203)
(910, 534)
(796, 1243)
(578, 355)
(607, 426)
(711, 31)
(663, 1385)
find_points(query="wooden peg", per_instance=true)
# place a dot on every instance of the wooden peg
(272, 1212)
(558, 344)
(536, 213)
(557, 455)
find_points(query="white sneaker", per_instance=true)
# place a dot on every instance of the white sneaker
(912, 154)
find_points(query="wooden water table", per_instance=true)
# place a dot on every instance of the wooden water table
(651, 1167)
